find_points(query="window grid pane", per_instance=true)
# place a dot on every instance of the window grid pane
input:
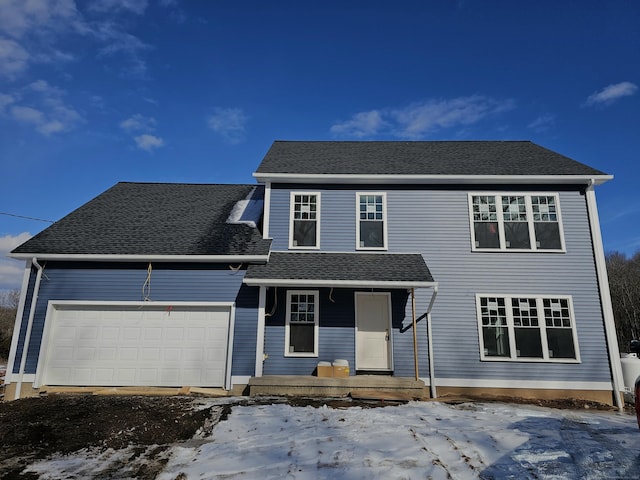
(524, 312)
(544, 209)
(556, 313)
(302, 308)
(494, 312)
(304, 207)
(484, 208)
(514, 209)
(371, 207)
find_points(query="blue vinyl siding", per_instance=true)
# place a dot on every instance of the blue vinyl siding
(337, 218)
(169, 282)
(445, 242)
(337, 334)
(435, 222)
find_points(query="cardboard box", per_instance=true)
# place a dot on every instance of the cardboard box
(340, 371)
(340, 368)
(324, 369)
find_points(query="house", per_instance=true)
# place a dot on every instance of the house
(476, 267)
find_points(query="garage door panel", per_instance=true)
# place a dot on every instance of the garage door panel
(129, 346)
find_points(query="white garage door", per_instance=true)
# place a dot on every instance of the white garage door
(141, 345)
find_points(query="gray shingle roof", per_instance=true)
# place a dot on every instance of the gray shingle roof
(153, 219)
(356, 267)
(470, 158)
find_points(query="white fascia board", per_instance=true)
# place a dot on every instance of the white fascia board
(431, 179)
(144, 258)
(289, 282)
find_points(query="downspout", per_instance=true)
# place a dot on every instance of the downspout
(415, 333)
(605, 294)
(27, 335)
(262, 296)
(432, 369)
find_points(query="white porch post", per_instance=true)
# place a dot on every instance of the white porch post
(260, 333)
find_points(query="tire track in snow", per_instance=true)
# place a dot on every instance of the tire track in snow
(446, 455)
(595, 455)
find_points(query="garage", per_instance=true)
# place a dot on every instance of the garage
(136, 344)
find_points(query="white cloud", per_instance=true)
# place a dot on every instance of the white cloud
(136, 6)
(118, 42)
(27, 115)
(420, 119)
(611, 93)
(148, 142)
(35, 27)
(138, 123)
(9, 242)
(13, 58)
(20, 17)
(363, 124)
(229, 123)
(51, 116)
(11, 271)
(5, 101)
(543, 122)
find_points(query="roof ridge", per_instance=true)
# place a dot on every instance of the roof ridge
(189, 183)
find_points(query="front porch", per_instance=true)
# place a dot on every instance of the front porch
(375, 387)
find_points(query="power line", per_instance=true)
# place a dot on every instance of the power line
(27, 218)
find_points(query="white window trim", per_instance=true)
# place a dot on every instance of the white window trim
(384, 221)
(316, 318)
(292, 196)
(530, 222)
(542, 327)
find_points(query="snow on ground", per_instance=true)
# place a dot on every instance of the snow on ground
(414, 441)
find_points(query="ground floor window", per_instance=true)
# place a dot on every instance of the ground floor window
(526, 328)
(301, 332)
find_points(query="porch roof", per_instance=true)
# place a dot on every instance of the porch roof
(355, 270)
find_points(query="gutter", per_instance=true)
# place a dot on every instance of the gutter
(292, 282)
(435, 179)
(27, 335)
(605, 295)
(145, 258)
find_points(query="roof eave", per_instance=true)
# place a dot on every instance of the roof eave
(142, 258)
(430, 179)
(292, 283)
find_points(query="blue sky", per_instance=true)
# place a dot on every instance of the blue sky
(100, 91)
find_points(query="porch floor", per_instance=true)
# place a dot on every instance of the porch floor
(376, 387)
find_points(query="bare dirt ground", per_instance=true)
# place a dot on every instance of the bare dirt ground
(35, 428)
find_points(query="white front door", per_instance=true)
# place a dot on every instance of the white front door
(373, 331)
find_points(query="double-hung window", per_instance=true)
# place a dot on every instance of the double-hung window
(371, 228)
(301, 331)
(526, 328)
(304, 226)
(516, 222)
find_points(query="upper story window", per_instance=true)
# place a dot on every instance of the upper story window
(304, 227)
(526, 328)
(372, 221)
(516, 222)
